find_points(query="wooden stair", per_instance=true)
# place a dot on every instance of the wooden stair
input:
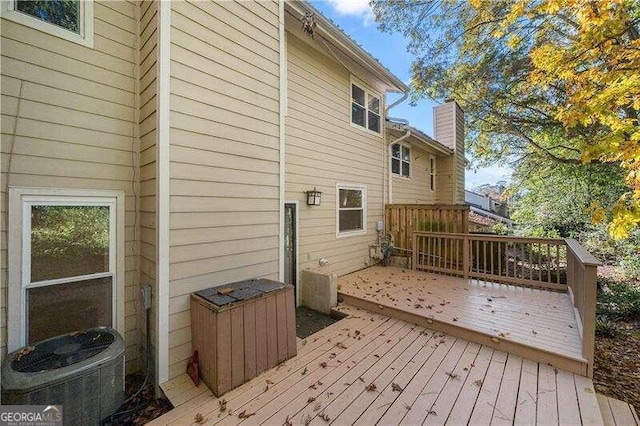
(616, 412)
(577, 365)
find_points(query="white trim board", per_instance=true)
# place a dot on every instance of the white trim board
(282, 135)
(163, 128)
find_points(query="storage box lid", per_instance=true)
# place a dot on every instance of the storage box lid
(242, 290)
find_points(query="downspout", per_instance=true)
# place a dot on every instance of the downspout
(396, 103)
(389, 143)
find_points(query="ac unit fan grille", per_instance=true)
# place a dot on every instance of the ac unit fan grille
(62, 351)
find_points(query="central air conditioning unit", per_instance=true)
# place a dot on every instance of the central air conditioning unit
(82, 371)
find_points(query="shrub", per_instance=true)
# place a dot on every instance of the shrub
(619, 301)
(605, 327)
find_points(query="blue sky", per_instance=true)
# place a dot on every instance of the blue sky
(356, 19)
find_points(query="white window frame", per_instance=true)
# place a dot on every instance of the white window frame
(355, 187)
(367, 93)
(432, 173)
(402, 145)
(85, 37)
(20, 202)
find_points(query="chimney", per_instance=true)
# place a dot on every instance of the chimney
(448, 127)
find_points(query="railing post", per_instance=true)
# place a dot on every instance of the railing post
(414, 252)
(465, 256)
(589, 315)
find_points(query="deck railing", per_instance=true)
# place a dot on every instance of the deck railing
(582, 271)
(561, 265)
(401, 220)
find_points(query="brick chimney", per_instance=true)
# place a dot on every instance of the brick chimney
(448, 127)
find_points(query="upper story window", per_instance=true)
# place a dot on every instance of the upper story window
(400, 160)
(365, 109)
(432, 173)
(68, 19)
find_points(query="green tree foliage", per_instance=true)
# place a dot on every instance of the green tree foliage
(544, 83)
(556, 200)
(65, 231)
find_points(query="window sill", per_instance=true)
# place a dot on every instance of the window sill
(400, 176)
(364, 129)
(345, 234)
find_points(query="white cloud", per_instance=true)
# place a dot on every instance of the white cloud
(354, 8)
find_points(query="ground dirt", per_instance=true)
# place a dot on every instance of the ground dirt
(617, 364)
(150, 407)
(309, 322)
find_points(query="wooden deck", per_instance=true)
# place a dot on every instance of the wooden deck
(616, 412)
(372, 369)
(536, 324)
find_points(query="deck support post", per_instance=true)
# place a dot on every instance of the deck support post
(589, 316)
(465, 257)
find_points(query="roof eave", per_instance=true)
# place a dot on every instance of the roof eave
(425, 139)
(334, 34)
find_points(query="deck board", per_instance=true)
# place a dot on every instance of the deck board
(440, 379)
(616, 412)
(537, 320)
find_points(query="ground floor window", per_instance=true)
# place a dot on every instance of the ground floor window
(68, 262)
(351, 209)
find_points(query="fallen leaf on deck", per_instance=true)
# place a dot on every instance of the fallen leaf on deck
(396, 387)
(223, 404)
(199, 418)
(478, 383)
(245, 415)
(324, 417)
(310, 400)
(371, 387)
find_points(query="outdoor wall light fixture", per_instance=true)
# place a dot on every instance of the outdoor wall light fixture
(313, 197)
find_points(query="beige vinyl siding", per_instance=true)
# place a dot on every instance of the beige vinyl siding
(459, 158)
(446, 180)
(147, 119)
(224, 153)
(449, 130)
(323, 149)
(68, 121)
(415, 189)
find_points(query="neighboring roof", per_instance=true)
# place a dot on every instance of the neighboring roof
(421, 136)
(482, 195)
(332, 32)
(481, 220)
(489, 215)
